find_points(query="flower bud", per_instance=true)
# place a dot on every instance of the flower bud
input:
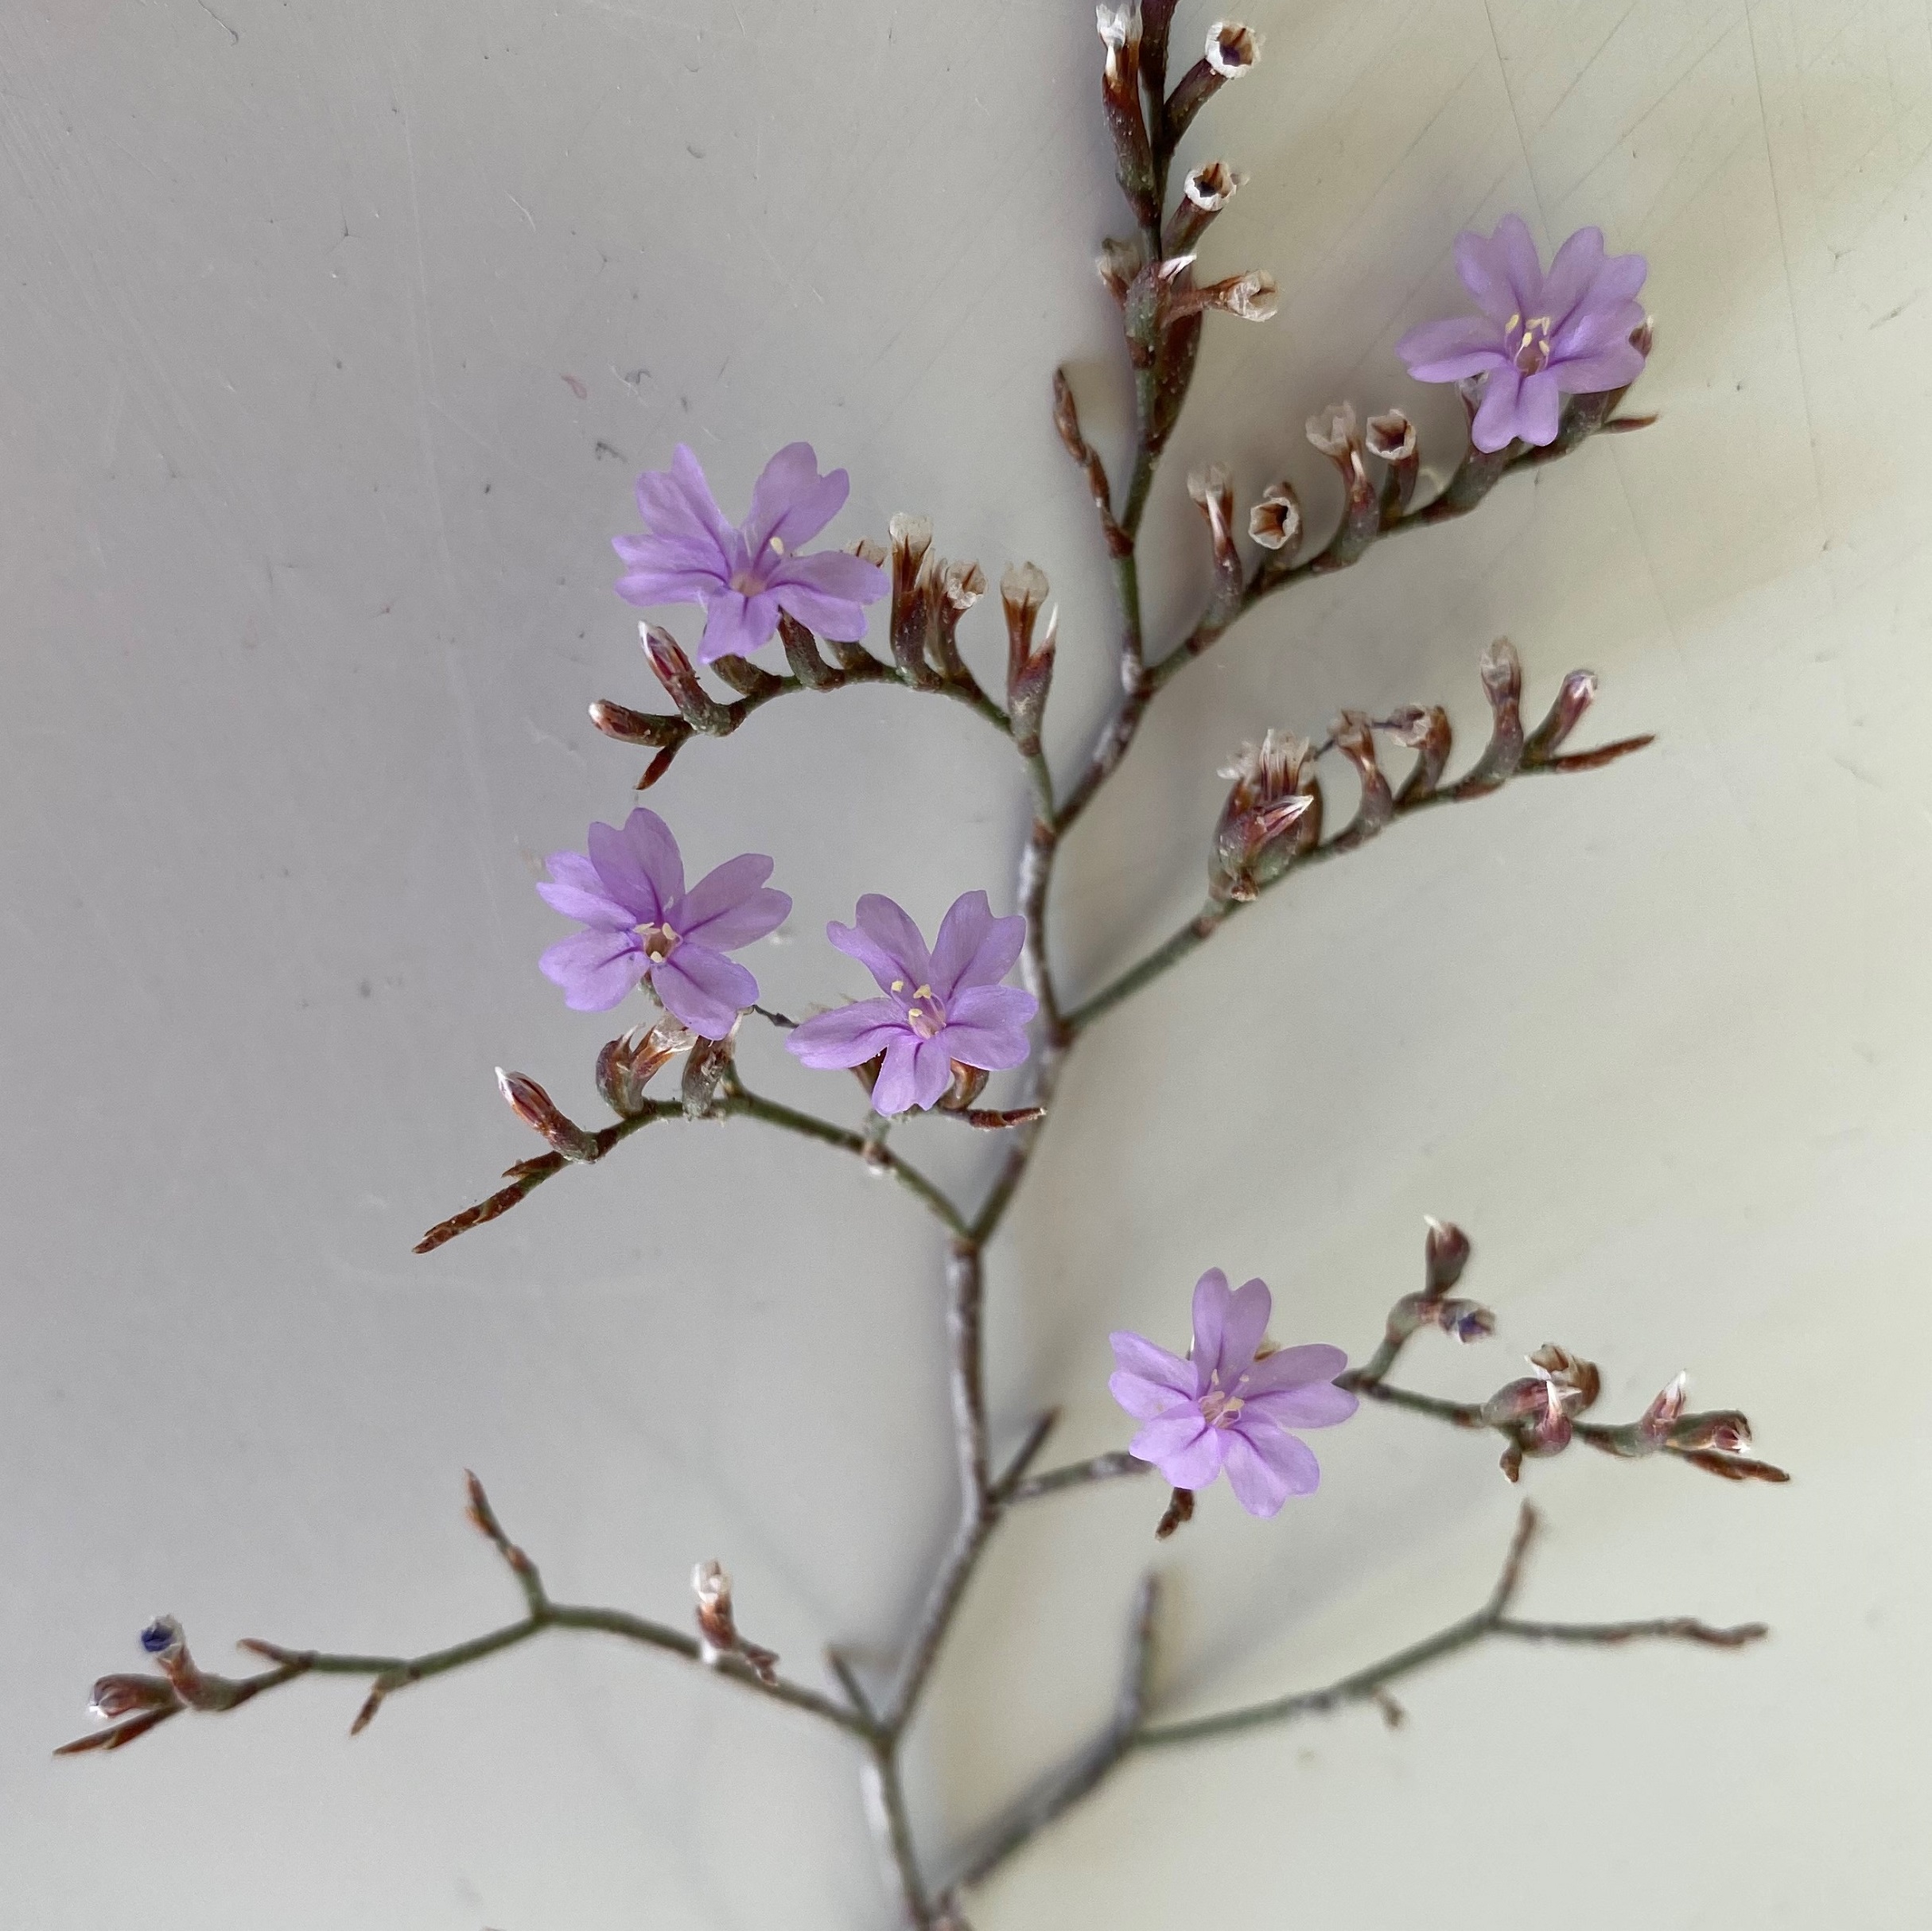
(1576, 1380)
(709, 1060)
(1119, 262)
(1214, 496)
(1333, 432)
(1275, 522)
(1445, 1254)
(1502, 672)
(1722, 1429)
(1120, 93)
(1392, 439)
(1273, 813)
(695, 705)
(1232, 52)
(961, 585)
(1355, 737)
(1579, 692)
(627, 1065)
(1654, 1425)
(121, 1695)
(630, 727)
(718, 1630)
(801, 655)
(914, 593)
(968, 1083)
(540, 1113)
(1204, 194)
(1427, 733)
(1029, 664)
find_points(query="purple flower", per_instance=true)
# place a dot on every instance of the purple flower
(939, 1006)
(744, 577)
(642, 924)
(1540, 337)
(1228, 1406)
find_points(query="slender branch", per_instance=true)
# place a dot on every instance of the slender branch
(1077, 1475)
(1217, 912)
(891, 1828)
(671, 733)
(1059, 1793)
(737, 1101)
(1491, 1619)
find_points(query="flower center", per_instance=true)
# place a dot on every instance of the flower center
(1220, 1407)
(924, 1013)
(1528, 342)
(659, 942)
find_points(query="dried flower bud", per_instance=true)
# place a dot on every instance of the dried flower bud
(1355, 737)
(695, 705)
(627, 1065)
(1465, 1320)
(1722, 1429)
(541, 1114)
(163, 1640)
(868, 550)
(1392, 439)
(1273, 813)
(630, 727)
(1332, 431)
(801, 655)
(1654, 1425)
(704, 1072)
(1232, 49)
(1427, 733)
(1029, 663)
(1445, 1254)
(914, 596)
(961, 585)
(1214, 495)
(717, 1630)
(1502, 673)
(1578, 693)
(1180, 1509)
(968, 1083)
(1275, 522)
(120, 1696)
(1577, 1381)
(1204, 194)
(1120, 93)
(1119, 261)
(1252, 296)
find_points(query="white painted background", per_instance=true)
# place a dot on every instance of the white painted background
(307, 586)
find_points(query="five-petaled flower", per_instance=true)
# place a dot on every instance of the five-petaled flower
(744, 577)
(642, 924)
(1230, 1403)
(939, 1006)
(1540, 336)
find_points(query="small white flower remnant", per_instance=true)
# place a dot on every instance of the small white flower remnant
(1232, 49)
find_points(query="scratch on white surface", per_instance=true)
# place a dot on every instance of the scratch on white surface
(521, 210)
(1784, 249)
(422, 349)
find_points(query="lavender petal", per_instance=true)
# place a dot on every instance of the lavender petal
(726, 908)
(848, 1036)
(703, 988)
(973, 948)
(596, 969)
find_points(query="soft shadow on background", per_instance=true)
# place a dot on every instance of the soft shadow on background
(335, 335)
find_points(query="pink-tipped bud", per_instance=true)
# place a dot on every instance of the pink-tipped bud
(1502, 673)
(708, 1063)
(1577, 694)
(1654, 1425)
(1213, 496)
(630, 727)
(1578, 1381)
(1355, 737)
(1029, 660)
(718, 1637)
(541, 1114)
(121, 1695)
(672, 669)
(1445, 1254)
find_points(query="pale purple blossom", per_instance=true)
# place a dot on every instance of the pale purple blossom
(1540, 336)
(939, 1006)
(1230, 1403)
(641, 924)
(743, 576)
